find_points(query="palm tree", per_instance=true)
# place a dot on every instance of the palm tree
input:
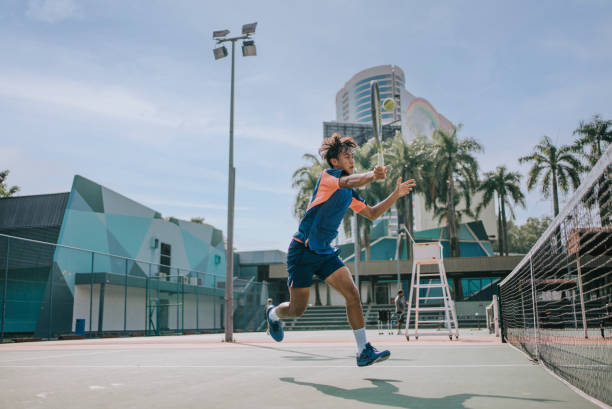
(506, 185)
(305, 180)
(5, 191)
(444, 210)
(407, 160)
(455, 173)
(558, 166)
(595, 135)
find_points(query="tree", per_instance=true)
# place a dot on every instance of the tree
(522, 238)
(199, 220)
(443, 211)
(558, 166)
(5, 191)
(407, 160)
(596, 136)
(455, 174)
(305, 180)
(506, 186)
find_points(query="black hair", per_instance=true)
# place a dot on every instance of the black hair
(334, 146)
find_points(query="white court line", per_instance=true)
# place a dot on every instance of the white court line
(60, 356)
(265, 366)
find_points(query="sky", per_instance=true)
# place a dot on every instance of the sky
(128, 94)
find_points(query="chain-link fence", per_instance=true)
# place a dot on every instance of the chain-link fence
(98, 294)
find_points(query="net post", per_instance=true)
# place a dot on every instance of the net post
(50, 304)
(535, 311)
(146, 326)
(91, 285)
(197, 289)
(178, 290)
(182, 305)
(502, 335)
(4, 289)
(125, 285)
(101, 308)
(584, 321)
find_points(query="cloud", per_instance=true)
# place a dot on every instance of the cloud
(110, 101)
(190, 205)
(567, 45)
(51, 11)
(291, 137)
(268, 188)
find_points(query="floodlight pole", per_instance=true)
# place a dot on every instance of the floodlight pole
(229, 256)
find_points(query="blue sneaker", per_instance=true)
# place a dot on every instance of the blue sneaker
(371, 355)
(275, 327)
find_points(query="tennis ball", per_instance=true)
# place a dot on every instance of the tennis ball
(388, 104)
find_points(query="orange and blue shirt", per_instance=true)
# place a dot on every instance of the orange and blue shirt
(328, 205)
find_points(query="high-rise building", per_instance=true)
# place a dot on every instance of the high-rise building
(416, 114)
(353, 100)
(417, 117)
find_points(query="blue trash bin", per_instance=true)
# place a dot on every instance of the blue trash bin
(79, 328)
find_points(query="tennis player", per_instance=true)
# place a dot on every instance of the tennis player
(310, 251)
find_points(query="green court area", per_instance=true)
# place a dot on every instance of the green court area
(307, 370)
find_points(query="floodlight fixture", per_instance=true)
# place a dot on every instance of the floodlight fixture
(220, 33)
(220, 52)
(249, 28)
(248, 48)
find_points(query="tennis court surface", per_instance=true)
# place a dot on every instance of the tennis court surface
(307, 370)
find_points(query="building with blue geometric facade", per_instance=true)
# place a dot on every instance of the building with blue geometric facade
(118, 265)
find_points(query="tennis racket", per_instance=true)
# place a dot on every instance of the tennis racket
(376, 119)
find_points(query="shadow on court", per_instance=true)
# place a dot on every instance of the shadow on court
(385, 393)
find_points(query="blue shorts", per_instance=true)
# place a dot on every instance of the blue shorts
(302, 263)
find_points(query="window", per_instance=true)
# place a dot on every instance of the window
(362, 94)
(478, 288)
(165, 259)
(376, 77)
(362, 100)
(263, 273)
(364, 113)
(367, 86)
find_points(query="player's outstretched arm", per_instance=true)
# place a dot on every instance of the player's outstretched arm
(362, 179)
(401, 189)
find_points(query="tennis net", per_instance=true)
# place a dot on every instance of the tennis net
(556, 305)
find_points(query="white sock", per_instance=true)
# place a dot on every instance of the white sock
(273, 315)
(360, 337)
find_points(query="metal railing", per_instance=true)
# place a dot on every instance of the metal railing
(52, 290)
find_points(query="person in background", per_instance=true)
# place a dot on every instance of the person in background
(400, 310)
(268, 304)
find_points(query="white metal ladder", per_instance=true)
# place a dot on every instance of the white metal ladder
(430, 254)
